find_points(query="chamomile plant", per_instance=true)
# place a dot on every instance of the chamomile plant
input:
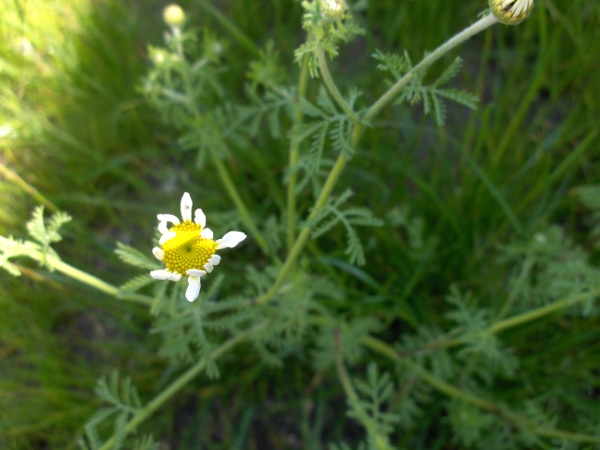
(309, 290)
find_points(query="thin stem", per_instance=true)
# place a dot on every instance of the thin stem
(341, 369)
(88, 279)
(533, 314)
(376, 438)
(294, 156)
(239, 203)
(517, 420)
(515, 291)
(230, 27)
(178, 384)
(357, 133)
(458, 39)
(332, 87)
(305, 233)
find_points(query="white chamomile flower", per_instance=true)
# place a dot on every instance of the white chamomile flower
(511, 12)
(187, 247)
(333, 9)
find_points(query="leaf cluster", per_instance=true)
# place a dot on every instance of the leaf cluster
(324, 34)
(45, 232)
(374, 394)
(329, 215)
(122, 402)
(432, 95)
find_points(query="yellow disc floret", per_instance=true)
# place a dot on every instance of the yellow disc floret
(187, 250)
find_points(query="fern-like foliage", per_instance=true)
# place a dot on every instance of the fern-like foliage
(120, 403)
(351, 332)
(266, 71)
(119, 393)
(289, 328)
(328, 216)
(374, 394)
(269, 108)
(469, 423)
(326, 35)
(472, 323)
(191, 331)
(46, 232)
(433, 95)
(12, 248)
(327, 123)
(134, 257)
(553, 268)
(183, 83)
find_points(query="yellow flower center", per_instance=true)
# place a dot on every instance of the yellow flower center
(187, 250)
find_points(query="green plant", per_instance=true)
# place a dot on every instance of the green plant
(330, 285)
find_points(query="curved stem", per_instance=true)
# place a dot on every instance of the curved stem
(467, 33)
(331, 86)
(358, 130)
(88, 279)
(517, 420)
(533, 314)
(305, 233)
(294, 156)
(179, 384)
(239, 203)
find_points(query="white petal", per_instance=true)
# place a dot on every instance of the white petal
(215, 260)
(196, 273)
(208, 267)
(158, 253)
(175, 276)
(231, 239)
(165, 237)
(168, 218)
(163, 274)
(193, 289)
(200, 218)
(163, 227)
(206, 233)
(186, 207)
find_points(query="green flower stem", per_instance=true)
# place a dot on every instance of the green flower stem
(331, 86)
(392, 93)
(534, 314)
(179, 384)
(517, 420)
(239, 203)
(230, 27)
(305, 233)
(88, 279)
(294, 156)
(379, 440)
(514, 321)
(358, 130)
(341, 369)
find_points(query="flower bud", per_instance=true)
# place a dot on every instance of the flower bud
(333, 9)
(173, 15)
(511, 12)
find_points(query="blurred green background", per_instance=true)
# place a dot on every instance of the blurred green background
(77, 135)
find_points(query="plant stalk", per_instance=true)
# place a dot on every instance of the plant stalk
(179, 384)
